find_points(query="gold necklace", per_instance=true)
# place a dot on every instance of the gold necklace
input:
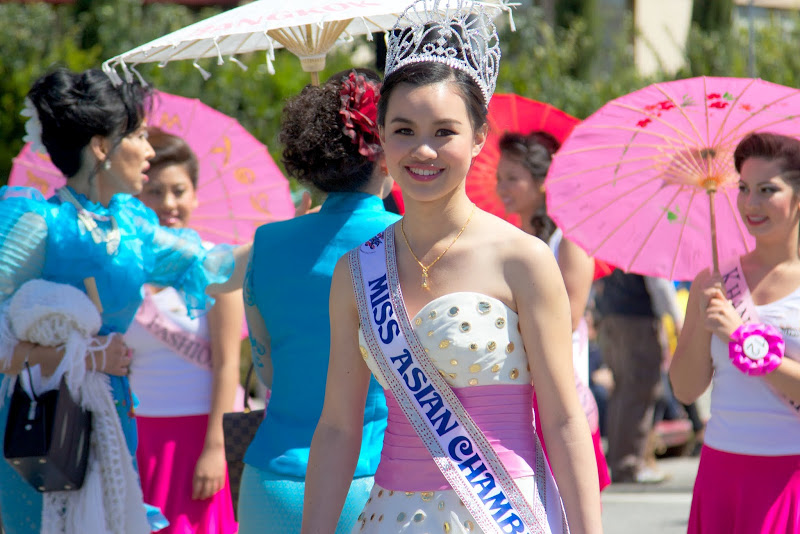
(425, 269)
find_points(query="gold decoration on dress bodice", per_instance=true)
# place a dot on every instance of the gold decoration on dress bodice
(473, 340)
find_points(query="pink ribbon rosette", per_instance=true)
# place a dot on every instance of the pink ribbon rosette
(756, 348)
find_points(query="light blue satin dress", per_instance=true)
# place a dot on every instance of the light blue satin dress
(42, 238)
(289, 281)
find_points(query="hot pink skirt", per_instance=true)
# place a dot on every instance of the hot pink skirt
(168, 451)
(744, 494)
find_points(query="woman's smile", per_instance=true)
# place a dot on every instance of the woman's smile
(425, 173)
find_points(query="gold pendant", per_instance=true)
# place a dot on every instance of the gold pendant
(424, 278)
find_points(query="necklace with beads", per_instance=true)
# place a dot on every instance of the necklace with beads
(88, 219)
(426, 268)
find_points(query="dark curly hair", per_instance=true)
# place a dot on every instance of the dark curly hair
(535, 152)
(315, 147)
(73, 107)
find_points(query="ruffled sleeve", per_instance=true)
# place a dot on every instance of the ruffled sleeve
(23, 237)
(177, 258)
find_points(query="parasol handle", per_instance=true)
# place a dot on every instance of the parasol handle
(91, 291)
(714, 255)
(314, 78)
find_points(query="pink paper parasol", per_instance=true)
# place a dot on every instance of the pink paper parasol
(647, 183)
(239, 185)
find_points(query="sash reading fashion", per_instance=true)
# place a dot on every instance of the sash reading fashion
(189, 346)
(738, 293)
(458, 447)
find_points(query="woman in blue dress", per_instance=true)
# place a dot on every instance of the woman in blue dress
(330, 140)
(95, 133)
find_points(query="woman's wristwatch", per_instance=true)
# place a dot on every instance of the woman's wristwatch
(756, 348)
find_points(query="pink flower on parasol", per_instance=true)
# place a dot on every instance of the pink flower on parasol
(239, 185)
(648, 183)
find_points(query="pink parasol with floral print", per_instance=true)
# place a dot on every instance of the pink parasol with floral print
(647, 183)
(239, 185)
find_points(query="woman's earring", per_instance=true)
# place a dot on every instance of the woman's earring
(541, 188)
(107, 164)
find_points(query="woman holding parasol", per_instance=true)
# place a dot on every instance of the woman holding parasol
(741, 333)
(523, 165)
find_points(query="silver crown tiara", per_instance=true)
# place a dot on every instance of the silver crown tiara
(458, 33)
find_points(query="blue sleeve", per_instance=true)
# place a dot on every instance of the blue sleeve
(23, 237)
(177, 258)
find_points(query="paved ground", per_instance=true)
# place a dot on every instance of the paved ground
(652, 509)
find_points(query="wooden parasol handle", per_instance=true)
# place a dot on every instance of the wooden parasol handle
(714, 254)
(91, 290)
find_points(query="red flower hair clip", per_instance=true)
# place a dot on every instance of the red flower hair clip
(359, 113)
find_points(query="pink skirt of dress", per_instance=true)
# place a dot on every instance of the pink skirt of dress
(167, 454)
(745, 494)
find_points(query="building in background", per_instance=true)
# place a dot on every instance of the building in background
(662, 28)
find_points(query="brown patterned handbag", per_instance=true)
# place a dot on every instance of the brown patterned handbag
(239, 429)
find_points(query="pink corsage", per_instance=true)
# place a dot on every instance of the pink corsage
(359, 113)
(756, 348)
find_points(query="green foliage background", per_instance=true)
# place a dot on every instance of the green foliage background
(570, 66)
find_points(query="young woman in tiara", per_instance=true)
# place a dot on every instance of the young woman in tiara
(523, 165)
(95, 133)
(749, 475)
(456, 313)
(330, 141)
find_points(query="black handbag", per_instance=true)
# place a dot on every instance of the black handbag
(239, 429)
(47, 438)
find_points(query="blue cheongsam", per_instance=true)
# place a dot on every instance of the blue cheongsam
(42, 238)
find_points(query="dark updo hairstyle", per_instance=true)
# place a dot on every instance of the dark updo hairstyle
(429, 73)
(775, 147)
(74, 107)
(171, 150)
(315, 148)
(534, 152)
